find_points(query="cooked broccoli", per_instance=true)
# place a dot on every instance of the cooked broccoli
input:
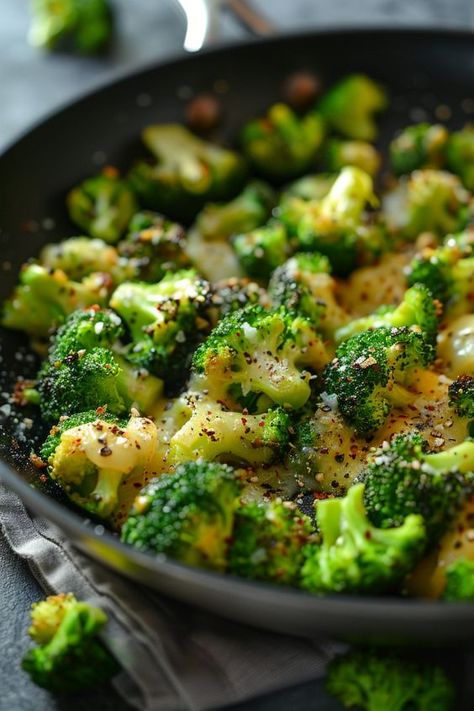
(187, 173)
(44, 298)
(404, 478)
(187, 515)
(461, 396)
(420, 146)
(102, 206)
(262, 250)
(78, 257)
(460, 581)
(267, 542)
(371, 374)
(350, 106)
(294, 200)
(460, 155)
(155, 246)
(282, 145)
(165, 320)
(355, 556)
(83, 26)
(359, 153)
(417, 310)
(255, 352)
(372, 681)
(89, 455)
(69, 655)
(233, 294)
(244, 213)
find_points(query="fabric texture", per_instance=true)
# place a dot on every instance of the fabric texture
(174, 658)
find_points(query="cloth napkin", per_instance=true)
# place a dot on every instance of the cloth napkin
(174, 657)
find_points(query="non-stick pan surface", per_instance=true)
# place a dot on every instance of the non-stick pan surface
(430, 75)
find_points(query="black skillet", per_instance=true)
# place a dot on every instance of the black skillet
(430, 75)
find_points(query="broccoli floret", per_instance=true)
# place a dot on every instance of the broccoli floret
(43, 299)
(254, 351)
(102, 206)
(461, 396)
(244, 213)
(78, 257)
(262, 250)
(91, 459)
(165, 320)
(355, 556)
(350, 106)
(83, 26)
(187, 173)
(460, 581)
(419, 146)
(212, 431)
(403, 478)
(359, 153)
(233, 294)
(294, 200)
(267, 542)
(417, 310)
(155, 246)
(85, 329)
(371, 374)
(372, 681)
(69, 656)
(460, 155)
(282, 145)
(187, 515)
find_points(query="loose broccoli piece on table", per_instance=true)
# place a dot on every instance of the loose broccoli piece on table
(155, 246)
(165, 320)
(187, 173)
(417, 310)
(361, 154)
(404, 478)
(233, 294)
(419, 146)
(44, 298)
(89, 455)
(371, 374)
(460, 581)
(372, 681)
(78, 257)
(351, 105)
(355, 556)
(69, 655)
(267, 542)
(102, 206)
(244, 213)
(187, 515)
(83, 26)
(262, 250)
(255, 352)
(461, 396)
(282, 145)
(460, 155)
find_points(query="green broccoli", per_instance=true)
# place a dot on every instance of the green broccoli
(355, 556)
(417, 310)
(349, 107)
(372, 681)
(295, 198)
(155, 246)
(361, 154)
(250, 209)
(460, 155)
(420, 146)
(44, 298)
(267, 542)
(262, 250)
(187, 515)
(232, 294)
(372, 373)
(282, 145)
(404, 478)
(102, 206)
(78, 257)
(84, 26)
(69, 656)
(461, 396)
(460, 581)
(187, 173)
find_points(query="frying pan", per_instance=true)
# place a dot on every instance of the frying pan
(423, 70)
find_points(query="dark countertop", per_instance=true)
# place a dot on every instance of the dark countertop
(32, 85)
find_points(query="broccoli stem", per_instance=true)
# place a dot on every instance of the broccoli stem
(459, 458)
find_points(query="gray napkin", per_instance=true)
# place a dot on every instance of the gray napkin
(174, 657)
